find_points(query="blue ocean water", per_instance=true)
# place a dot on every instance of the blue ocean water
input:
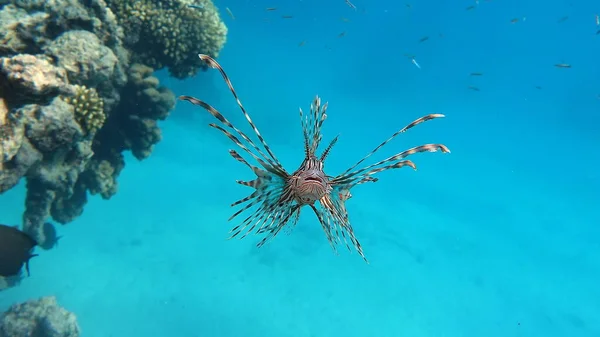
(500, 238)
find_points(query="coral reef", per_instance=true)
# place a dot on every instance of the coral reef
(170, 33)
(76, 92)
(39, 318)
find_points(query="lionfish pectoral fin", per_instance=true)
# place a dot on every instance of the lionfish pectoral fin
(392, 162)
(269, 190)
(326, 228)
(366, 176)
(284, 216)
(404, 129)
(273, 159)
(334, 213)
(268, 160)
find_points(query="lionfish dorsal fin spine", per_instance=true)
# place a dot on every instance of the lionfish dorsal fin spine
(328, 149)
(311, 126)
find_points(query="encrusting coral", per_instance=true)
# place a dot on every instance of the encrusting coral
(171, 33)
(76, 92)
(38, 318)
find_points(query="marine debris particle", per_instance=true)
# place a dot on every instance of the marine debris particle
(15, 250)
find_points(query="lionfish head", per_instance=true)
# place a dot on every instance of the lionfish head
(309, 182)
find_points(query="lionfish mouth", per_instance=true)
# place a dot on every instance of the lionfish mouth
(275, 201)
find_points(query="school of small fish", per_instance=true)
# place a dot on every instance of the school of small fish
(423, 39)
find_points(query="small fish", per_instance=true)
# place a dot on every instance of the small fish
(270, 9)
(344, 19)
(598, 32)
(287, 17)
(476, 74)
(538, 87)
(302, 43)
(342, 34)
(409, 6)
(415, 63)
(230, 12)
(423, 39)
(200, 6)
(562, 65)
(473, 88)
(470, 8)
(515, 20)
(279, 196)
(563, 19)
(51, 237)
(351, 5)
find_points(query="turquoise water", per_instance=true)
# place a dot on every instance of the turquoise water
(500, 238)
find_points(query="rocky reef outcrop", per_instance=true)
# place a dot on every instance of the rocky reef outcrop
(38, 318)
(76, 92)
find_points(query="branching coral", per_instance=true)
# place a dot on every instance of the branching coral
(89, 108)
(132, 125)
(170, 33)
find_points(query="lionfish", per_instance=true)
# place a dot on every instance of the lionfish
(280, 196)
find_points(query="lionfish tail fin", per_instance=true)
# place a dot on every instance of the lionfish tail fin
(312, 124)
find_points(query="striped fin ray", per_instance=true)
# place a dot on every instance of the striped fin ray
(328, 149)
(333, 211)
(404, 129)
(326, 225)
(271, 166)
(312, 124)
(269, 192)
(214, 64)
(259, 221)
(361, 174)
(280, 222)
